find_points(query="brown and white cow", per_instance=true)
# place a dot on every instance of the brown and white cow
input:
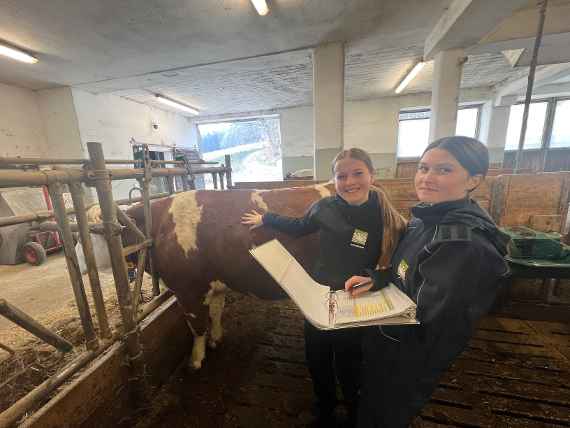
(201, 248)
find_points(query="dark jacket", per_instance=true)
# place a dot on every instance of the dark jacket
(349, 236)
(450, 262)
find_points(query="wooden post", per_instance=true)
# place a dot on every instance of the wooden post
(102, 179)
(145, 185)
(77, 194)
(56, 194)
(19, 317)
(228, 162)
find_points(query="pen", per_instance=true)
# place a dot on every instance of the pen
(361, 284)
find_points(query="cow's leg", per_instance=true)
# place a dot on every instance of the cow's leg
(216, 299)
(196, 316)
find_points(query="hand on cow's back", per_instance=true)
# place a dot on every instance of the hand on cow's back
(253, 219)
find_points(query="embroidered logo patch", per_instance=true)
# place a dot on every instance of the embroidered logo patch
(402, 269)
(359, 238)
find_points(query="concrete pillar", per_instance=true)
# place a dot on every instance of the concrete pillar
(448, 66)
(328, 105)
(494, 123)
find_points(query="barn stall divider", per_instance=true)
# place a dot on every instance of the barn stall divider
(94, 173)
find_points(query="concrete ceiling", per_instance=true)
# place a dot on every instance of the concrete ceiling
(219, 55)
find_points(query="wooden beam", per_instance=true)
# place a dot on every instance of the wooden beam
(465, 22)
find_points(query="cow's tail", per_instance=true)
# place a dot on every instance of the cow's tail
(394, 225)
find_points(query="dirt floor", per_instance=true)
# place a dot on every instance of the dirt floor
(514, 374)
(44, 293)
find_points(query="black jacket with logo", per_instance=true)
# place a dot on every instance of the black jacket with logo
(350, 236)
(450, 262)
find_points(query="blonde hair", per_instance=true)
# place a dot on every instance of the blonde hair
(394, 225)
(354, 153)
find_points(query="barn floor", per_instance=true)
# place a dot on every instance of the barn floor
(514, 374)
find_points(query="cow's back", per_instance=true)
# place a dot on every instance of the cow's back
(199, 237)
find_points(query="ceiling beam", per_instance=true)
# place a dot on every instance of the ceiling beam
(543, 76)
(466, 22)
(554, 49)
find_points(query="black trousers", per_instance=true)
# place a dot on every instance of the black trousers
(334, 355)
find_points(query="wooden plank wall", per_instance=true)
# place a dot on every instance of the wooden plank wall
(407, 169)
(517, 198)
(556, 159)
(403, 195)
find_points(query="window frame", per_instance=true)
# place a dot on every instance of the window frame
(478, 106)
(550, 123)
(547, 126)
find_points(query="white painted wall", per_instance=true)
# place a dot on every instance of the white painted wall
(372, 125)
(60, 123)
(114, 121)
(21, 128)
(297, 131)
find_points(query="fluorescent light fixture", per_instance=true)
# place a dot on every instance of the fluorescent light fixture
(260, 6)
(17, 54)
(177, 105)
(413, 73)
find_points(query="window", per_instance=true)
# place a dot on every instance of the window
(535, 126)
(413, 133)
(560, 136)
(413, 130)
(254, 146)
(467, 122)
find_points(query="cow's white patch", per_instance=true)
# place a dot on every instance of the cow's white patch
(257, 200)
(198, 352)
(186, 215)
(323, 190)
(216, 299)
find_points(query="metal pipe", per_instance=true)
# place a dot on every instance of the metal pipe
(131, 330)
(139, 279)
(542, 14)
(55, 161)
(136, 247)
(15, 178)
(78, 195)
(56, 194)
(39, 161)
(19, 219)
(19, 317)
(131, 225)
(145, 185)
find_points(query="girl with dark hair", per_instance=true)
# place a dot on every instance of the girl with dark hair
(450, 262)
(358, 230)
